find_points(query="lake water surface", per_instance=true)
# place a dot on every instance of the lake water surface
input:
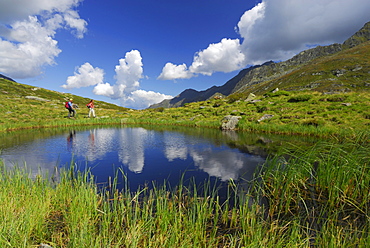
(143, 154)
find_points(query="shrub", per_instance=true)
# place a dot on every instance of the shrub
(336, 98)
(261, 109)
(160, 109)
(300, 98)
(234, 97)
(278, 93)
(312, 122)
(217, 104)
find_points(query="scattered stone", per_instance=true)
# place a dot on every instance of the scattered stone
(346, 104)
(34, 89)
(250, 97)
(45, 246)
(37, 98)
(338, 72)
(357, 68)
(265, 117)
(275, 90)
(314, 85)
(317, 73)
(193, 118)
(257, 100)
(229, 122)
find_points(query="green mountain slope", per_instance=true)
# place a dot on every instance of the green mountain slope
(25, 106)
(332, 68)
(296, 112)
(345, 71)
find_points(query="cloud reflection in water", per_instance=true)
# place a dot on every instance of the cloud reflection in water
(139, 150)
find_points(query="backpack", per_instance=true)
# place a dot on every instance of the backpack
(66, 105)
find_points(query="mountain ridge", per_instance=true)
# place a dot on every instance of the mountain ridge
(7, 78)
(266, 72)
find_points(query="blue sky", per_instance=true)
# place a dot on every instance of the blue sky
(136, 53)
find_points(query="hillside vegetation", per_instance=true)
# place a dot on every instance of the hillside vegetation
(345, 71)
(294, 112)
(25, 106)
(327, 97)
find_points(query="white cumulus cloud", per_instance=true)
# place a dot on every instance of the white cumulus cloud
(129, 71)
(86, 75)
(283, 28)
(27, 47)
(141, 99)
(127, 87)
(11, 10)
(27, 30)
(276, 30)
(224, 56)
(103, 89)
(171, 71)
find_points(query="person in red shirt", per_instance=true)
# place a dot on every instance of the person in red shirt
(90, 105)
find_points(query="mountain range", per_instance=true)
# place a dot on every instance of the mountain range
(329, 69)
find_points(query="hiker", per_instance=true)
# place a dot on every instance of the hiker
(90, 105)
(69, 106)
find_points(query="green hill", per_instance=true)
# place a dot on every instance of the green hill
(302, 111)
(345, 71)
(26, 106)
(333, 68)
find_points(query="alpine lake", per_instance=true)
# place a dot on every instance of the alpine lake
(145, 156)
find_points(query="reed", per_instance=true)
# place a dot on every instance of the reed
(310, 197)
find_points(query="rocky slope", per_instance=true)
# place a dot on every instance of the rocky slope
(272, 75)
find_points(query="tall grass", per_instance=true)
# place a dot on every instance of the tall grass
(325, 190)
(310, 197)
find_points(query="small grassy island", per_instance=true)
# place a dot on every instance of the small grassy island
(306, 197)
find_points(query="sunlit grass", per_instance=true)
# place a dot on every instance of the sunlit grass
(307, 113)
(317, 196)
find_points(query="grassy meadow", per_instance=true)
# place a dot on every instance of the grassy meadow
(301, 197)
(307, 113)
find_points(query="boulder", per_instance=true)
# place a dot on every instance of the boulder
(250, 97)
(229, 122)
(265, 117)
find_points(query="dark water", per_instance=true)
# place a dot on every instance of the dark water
(143, 154)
